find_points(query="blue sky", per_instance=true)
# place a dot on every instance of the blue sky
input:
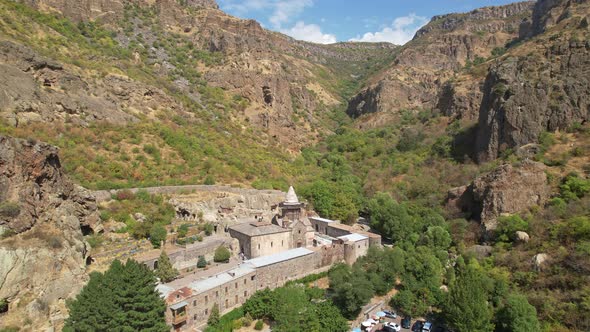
(329, 21)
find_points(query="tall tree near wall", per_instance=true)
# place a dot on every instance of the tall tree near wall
(121, 299)
(165, 271)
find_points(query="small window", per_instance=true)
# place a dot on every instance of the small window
(245, 293)
(206, 298)
(177, 296)
(226, 290)
(236, 298)
(226, 303)
(282, 243)
(245, 281)
(195, 317)
(259, 246)
(252, 277)
(271, 244)
(206, 312)
(194, 303)
(359, 246)
(299, 231)
(236, 285)
(216, 293)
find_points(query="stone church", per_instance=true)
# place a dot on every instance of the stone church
(289, 229)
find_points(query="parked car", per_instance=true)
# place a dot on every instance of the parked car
(418, 326)
(387, 328)
(407, 322)
(392, 326)
(390, 314)
(427, 327)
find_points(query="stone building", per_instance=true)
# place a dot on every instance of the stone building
(355, 246)
(261, 239)
(335, 229)
(294, 216)
(190, 302)
(291, 247)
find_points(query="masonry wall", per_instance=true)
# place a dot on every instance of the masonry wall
(320, 226)
(269, 244)
(354, 250)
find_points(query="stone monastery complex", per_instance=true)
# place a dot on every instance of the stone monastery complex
(288, 247)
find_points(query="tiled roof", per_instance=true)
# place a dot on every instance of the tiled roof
(257, 228)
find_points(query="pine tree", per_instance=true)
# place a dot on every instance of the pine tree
(165, 271)
(122, 299)
(214, 316)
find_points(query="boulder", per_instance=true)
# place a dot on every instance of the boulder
(481, 251)
(540, 261)
(522, 237)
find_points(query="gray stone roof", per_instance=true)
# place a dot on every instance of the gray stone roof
(258, 228)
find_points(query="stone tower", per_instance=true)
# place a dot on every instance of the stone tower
(291, 208)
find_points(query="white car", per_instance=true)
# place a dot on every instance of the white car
(393, 326)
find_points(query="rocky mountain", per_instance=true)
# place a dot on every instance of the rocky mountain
(287, 86)
(43, 217)
(438, 53)
(540, 85)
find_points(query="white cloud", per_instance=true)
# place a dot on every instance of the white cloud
(309, 32)
(401, 30)
(281, 11)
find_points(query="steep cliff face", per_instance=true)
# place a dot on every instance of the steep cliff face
(42, 249)
(437, 52)
(541, 85)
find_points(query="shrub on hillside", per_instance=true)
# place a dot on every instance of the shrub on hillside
(259, 325)
(222, 254)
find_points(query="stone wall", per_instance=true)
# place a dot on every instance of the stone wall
(269, 244)
(236, 291)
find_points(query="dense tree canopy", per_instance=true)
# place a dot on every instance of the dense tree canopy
(121, 299)
(467, 308)
(517, 315)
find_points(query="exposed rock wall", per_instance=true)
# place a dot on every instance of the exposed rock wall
(438, 50)
(42, 252)
(542, 86)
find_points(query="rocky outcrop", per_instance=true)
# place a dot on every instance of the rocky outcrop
(542, 86)
(42, 249)
(417, 78)
(35, 88)
(505, 190)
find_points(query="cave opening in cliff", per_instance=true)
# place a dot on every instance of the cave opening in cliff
(86, 230)
(89, 260)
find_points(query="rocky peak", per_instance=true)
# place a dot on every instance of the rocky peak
(450, 22)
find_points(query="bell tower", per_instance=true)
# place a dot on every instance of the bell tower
(291, 208)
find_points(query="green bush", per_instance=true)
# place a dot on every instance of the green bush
(508, 225)
(182, 230)
(157, 235)
(202, 262)
(9, 209)
(259, 325)
(574, 187)
(222, 254)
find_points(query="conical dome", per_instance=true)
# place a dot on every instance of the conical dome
(291, 197)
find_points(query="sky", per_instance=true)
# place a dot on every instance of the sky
(330, 21)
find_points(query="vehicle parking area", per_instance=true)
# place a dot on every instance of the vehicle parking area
(386, 325)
